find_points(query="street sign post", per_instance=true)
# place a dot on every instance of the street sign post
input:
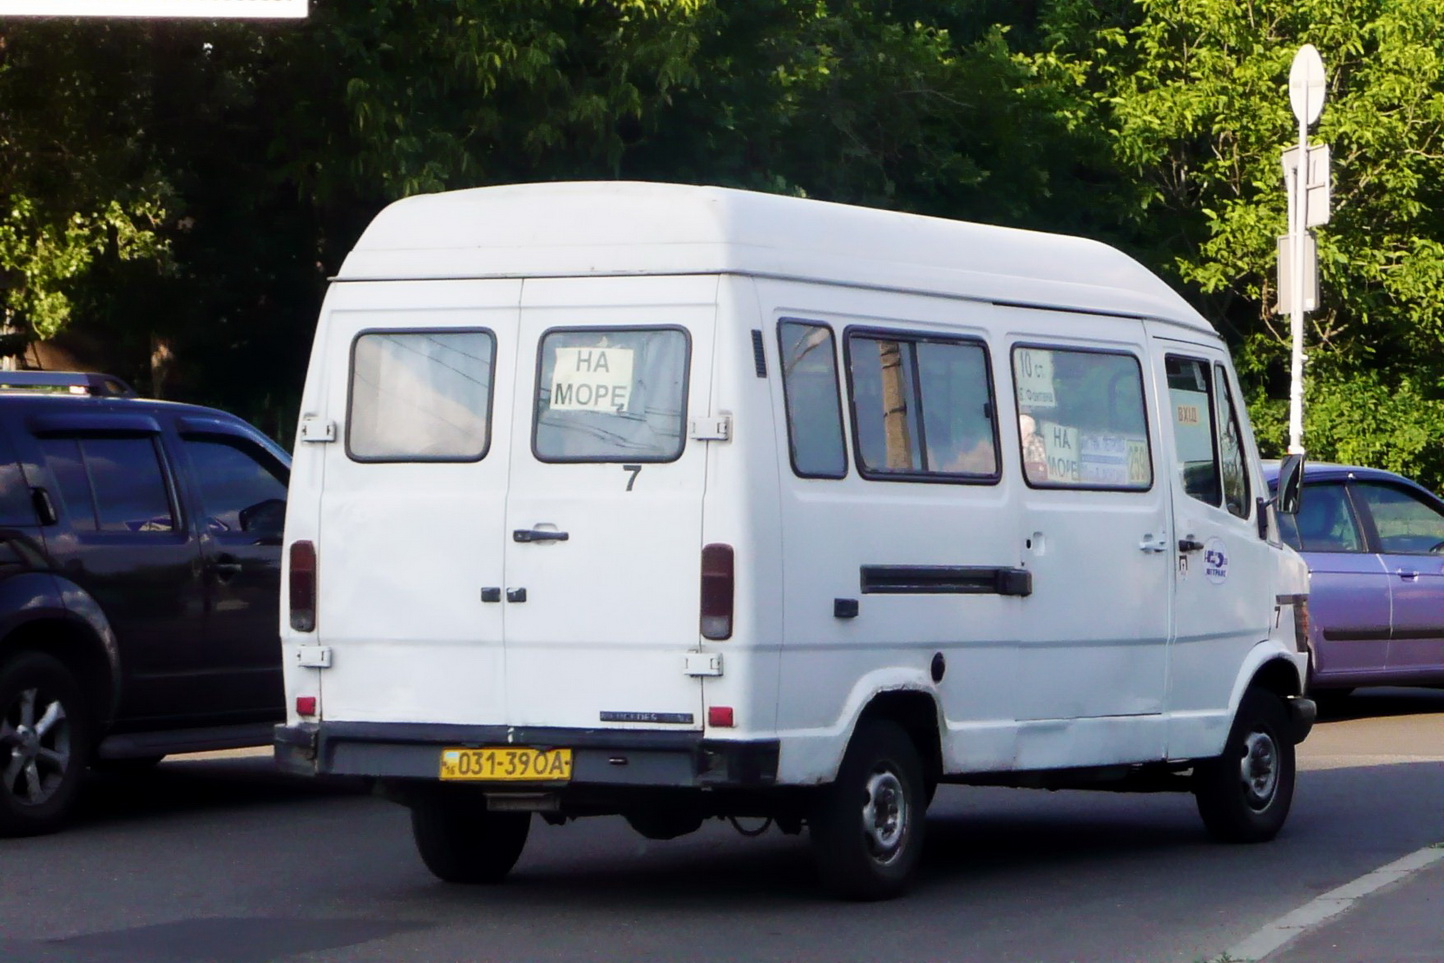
(1306, 174)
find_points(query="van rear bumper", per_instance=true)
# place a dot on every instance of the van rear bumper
(601, 757)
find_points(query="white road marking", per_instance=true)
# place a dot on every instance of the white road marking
(1330, 904)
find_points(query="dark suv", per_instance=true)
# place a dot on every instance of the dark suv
(139, 576)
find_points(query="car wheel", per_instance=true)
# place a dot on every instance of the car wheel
(1244, 795)
(44, 744)
(866, 828)
(461, 841)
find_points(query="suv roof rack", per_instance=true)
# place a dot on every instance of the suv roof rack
(69, 382)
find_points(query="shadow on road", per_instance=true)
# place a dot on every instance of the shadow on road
(195, 784)
(1379, 701)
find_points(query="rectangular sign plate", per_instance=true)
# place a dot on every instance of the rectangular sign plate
(202, 9)
(506, 764)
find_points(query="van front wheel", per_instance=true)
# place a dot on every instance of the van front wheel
(460, 841)
(1244, 795)
(866, 828)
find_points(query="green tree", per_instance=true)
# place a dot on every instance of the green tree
(1192, 95)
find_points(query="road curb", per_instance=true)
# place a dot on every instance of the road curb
(1328, 905)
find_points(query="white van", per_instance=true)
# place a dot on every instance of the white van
(685, 502)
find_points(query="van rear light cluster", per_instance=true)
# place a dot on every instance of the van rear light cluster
(303, 586)
(1301, 624)
(717, 583)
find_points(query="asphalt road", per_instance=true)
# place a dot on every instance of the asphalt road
(222, 859)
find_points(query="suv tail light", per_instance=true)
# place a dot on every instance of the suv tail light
(303, 586)
(717, 584)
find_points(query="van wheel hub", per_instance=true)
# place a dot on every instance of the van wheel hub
(884, 815)
(1259, 768)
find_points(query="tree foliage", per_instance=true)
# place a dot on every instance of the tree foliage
(183, 189)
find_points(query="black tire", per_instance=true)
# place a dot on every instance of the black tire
(460, 841)
(866, 827)
(1244, 795)
(44, 744)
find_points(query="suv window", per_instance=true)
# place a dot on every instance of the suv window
(16, 507)
(111, 484)
(239, 492)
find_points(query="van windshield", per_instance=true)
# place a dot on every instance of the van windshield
(611, 394)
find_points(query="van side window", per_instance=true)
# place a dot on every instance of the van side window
(611, 394)
(814, 404)
(922, 407)
(420, 396)
(111, 484)
(1231, 450)
(1082, 421)
(1191, 399)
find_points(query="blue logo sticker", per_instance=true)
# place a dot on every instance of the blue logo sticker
(1215, 561)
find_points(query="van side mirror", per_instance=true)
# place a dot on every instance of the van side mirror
(1291, 484)
(1287, 492)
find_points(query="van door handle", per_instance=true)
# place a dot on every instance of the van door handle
(1190, 545)
(1408, 575)
(1153, 545)
(538, 535)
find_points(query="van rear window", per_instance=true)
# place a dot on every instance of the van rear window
(420, 395)
(611, 394)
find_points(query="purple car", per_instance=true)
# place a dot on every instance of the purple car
(1374, 542)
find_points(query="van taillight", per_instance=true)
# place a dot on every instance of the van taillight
(717, 592)
(303, 586)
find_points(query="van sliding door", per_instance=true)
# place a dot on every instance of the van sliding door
(1094, 536)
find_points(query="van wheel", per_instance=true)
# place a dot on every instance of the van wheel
(460, 841)
(1244, 795)
(44, 744)
(867, 827)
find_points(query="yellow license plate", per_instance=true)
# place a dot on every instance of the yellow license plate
(507, 764)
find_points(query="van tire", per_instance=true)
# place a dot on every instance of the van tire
(461, 841)
(866, 828)
(44, 744)
(1244, 795)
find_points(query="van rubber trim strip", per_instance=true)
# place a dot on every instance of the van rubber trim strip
(945, 580)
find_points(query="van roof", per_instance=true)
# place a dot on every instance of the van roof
(568, 229)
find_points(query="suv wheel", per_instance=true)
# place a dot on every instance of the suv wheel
(43, 744)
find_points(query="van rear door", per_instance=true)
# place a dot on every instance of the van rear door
(604, 515)
(410, 536)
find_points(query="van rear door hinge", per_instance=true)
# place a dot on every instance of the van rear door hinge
(704, 663)
(711, 428)
(316, 429)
